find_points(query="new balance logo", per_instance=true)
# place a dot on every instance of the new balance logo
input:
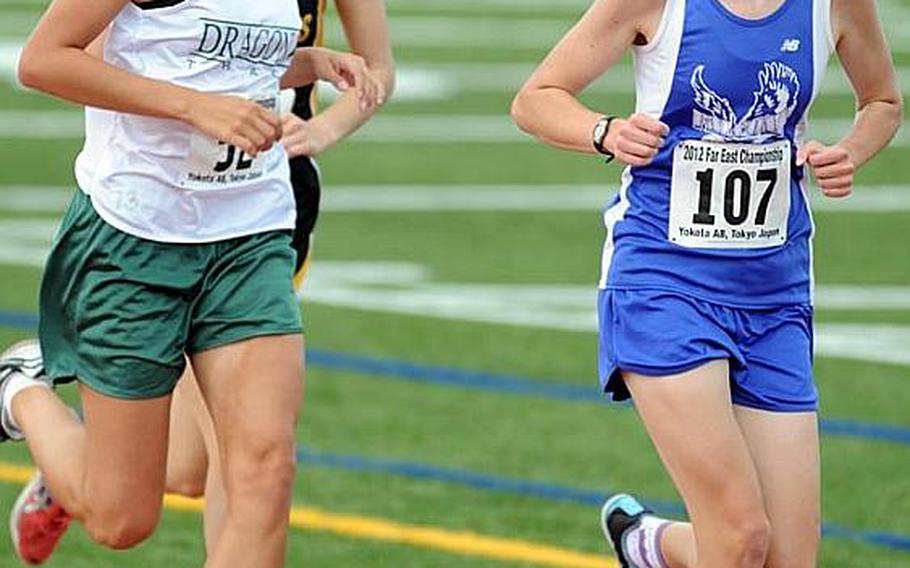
(790, 46)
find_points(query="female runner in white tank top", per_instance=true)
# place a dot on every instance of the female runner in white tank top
(178, 242)
(193, 452)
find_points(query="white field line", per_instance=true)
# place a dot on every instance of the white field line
(470, 30)
(405, 288)
(460, 78)
(469, 198)
(385, 128)
(446, 81)
(9, 58)
(500, 129)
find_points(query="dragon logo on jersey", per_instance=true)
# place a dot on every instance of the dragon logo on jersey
(775, 102)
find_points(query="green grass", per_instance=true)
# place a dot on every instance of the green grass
(575, 444)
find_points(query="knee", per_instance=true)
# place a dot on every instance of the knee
(796, 546)
(263, 469)
(186, 482)
(751, 536)
(119, 531)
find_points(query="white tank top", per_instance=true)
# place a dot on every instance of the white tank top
(162, 179)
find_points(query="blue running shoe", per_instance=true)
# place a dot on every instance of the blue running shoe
(620, 515)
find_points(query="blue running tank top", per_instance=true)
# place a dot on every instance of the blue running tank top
(722, 213)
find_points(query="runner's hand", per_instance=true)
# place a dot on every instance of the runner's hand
(348, 71)
(234, 120)
(832, 166)
(635, 141)
(305, 137)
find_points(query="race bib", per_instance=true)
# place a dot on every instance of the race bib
(213, 165)
(726, 195)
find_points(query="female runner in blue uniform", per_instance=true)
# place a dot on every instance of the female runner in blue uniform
(705, 302)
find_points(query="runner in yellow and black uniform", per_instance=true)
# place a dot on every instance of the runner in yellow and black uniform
(304, 174)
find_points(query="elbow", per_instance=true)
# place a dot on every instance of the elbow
(35, 68)
(520, 112)
(893, 113)
(898, 112)
(891, 107)
(29, 72)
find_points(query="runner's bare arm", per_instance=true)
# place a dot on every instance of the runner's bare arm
(55, 61)
(366, 28)
(346, 71)
(863, 51)
(547, 105)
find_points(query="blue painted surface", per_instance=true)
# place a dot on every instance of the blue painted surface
(546, 491)
(501, 383)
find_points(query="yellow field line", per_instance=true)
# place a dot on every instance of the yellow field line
(461, 543)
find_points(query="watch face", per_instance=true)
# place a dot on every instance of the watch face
(600, 132)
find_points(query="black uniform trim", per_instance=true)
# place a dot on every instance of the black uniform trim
(305, 180)
(155, 4)
(304, 175)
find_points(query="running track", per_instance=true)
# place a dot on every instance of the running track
(518, 386)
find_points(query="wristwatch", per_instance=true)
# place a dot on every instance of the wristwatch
(601, 129)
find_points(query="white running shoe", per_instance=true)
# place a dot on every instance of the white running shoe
(23, 358)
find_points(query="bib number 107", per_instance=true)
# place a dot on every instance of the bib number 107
(738, 188)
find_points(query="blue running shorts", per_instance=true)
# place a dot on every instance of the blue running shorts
(657, 334)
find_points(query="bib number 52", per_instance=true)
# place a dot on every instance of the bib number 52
(242, 161)
(738, 187)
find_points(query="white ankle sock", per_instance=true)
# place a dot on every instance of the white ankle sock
(642, 544)
(17, 383)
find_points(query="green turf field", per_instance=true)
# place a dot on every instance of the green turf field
(450, 320)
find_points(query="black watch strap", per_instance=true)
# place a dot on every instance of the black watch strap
(601, 130)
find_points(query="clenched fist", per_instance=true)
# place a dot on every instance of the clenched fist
(637, 140)
(832, 166)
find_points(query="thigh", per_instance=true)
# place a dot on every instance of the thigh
(254, 390)
(785, 450)
(691, 422)
(126, 454)
(191, 435)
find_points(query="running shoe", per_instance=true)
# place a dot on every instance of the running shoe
(25, 358)
(620, 515)
(37, 523)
